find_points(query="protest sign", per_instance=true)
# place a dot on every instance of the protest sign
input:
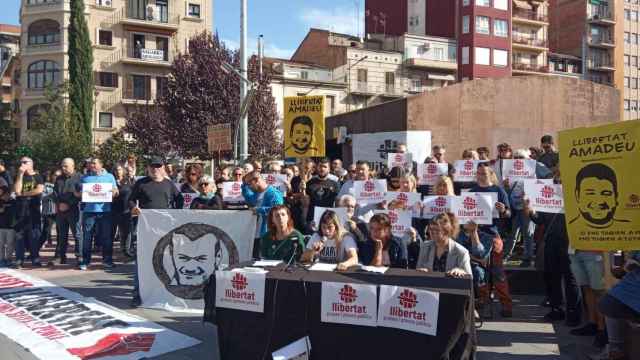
(240, 290)
(518, 169)
(436, 205)
(97, 193)
(232, 192)
(409, 309)
(476, 207)
(544, 197)
(405, 200)
(374, 147)
(179, 249)
(466, 170)
(370, 191)
(428, 174)
(403, 160)
(340, 212)
(599, 166)
(354, 304)
(304, 126)
(400, 221)
(51, 322)
(279, 181)
(188, 199)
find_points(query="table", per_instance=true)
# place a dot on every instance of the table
(292, 311)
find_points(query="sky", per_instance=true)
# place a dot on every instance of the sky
(284, 23)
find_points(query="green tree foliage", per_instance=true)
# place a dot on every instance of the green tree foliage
(117, 148)
(80, 71)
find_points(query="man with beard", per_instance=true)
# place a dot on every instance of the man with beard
(301, 135)
(321, 189)
(190, 262)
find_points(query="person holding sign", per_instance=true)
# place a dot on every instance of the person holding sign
(443, 253)
(332, 244)
(282, 241)
(261, 197)
(382, 248)
(98, 190)
(485, 184)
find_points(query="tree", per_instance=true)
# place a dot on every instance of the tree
(118, 148)
(264, 141)
(80, 71)
(7, 135)
(199, 94)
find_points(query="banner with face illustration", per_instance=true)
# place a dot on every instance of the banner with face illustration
(599, 172)
(179, 249)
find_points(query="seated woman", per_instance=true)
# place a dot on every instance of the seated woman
(332, 244)
(442, 253)
(381, 247)
(282, 241)
(209, 198)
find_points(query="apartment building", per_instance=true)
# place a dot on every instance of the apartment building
(9, 63)
(631, 54)
(529, 37)
(134, 44)
(565, 65)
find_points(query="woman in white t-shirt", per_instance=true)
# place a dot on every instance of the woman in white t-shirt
(332, 243)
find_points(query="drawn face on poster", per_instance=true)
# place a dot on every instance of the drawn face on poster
(302, 134)
(185, 257)
(596, 194)
(304, 126)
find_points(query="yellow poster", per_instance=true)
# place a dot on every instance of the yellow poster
(304, 126)
(600, 171)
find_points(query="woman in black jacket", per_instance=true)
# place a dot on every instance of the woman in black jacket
(209, 198)
(120, 207)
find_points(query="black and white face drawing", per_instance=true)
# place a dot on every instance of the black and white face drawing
(192, 262)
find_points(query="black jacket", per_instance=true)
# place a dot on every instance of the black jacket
(64, 187)
(397, 253)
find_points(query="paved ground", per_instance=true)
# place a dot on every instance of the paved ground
(524, 337)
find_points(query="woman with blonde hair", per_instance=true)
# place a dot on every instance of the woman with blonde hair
(332, 243)
(443, 253)
(443, 186)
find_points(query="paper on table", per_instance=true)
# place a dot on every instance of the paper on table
(375, 269)
(297, 350)
(263, 263)
(250, 269)
(323, 267)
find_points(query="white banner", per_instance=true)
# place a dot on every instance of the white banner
(466, 170)
(240, 290)
(53, 323)
(546, 198)
(476, 207)
(436, 205)
(374, 147)
(97, 193)
(279, 181)
(188, 199)
(400, 221)
(404, 160)
(428, 174)
(353, 304)
(408, 200)
(518, 169)
(179, 249)
(232, 192)
(370, 191)
(341, 212)
(409, 309)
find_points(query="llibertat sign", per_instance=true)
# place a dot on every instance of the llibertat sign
(188, 199)
(546, 198)
(433, 206)
(466, 170)
(518, 169)
(476, 207)
(240, 290)
(232, 192)
(409, 309)
(400, 220)
(370, 191)
(354, 304)
(54, 323)
(404, 200)
(428, 174)
(278, 181)
(403, 160)
(97, 193)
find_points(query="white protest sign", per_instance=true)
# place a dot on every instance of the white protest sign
(466, 170)
(240, 290)
(403, 160)
(400, 221)
(436, 205)
(53, 323)
(279, 181)
(409, 309)
(354, 304)
(374, 147)
(428, 174)
(97, 193)
(547, 198)
(232, 192)
(494, 199)
(340, 212)
(188, 199)
(179, 249)
(476, 207)
(518, 169)
(370, 191)
(406, 200)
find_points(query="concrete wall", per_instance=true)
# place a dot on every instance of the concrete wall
(486, 112)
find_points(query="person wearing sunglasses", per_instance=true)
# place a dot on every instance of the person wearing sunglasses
(209, 198)
(193, 173)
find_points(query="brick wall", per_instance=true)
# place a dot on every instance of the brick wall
(567, 26)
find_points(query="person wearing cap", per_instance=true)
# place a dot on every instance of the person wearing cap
(549, 156)
(209, 198)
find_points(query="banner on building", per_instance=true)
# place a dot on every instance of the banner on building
(599, 167)
(97, 193)
(409, 309)
(518, 169)
(370, 191)
(428, 174)
(404, 160)
(179, 249)
(476, 207)
(375, 147)
(241, 290)
(53, 323)
(547, 198)
(304, 126)
(232, 192)
(354, 304)
(400, 221)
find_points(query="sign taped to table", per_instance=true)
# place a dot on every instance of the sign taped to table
(54, 323)
(179, 249)
(353, 304)
(240, 290)
(409, 309)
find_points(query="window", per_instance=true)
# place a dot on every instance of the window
(626, 105)
(634, 83)
(634, 15)
(44, 32)
(43, 73)
(626, 59)
(626, 81)
(390, 79)
(105, 37)
(37, 2)
(466, 2)
(501, 4)
(362, 75)
(634, 105)
(108, 79)
(482, 56)
(105, 120)
(634, 39)
(500, 57)
(106, 3)
(627, 14)
(162, 43)
(162, 86)
(483, 3)
(34, 113)
(500, 28)
(634, 61)
(465, 24)
(138, 87)
(627, 38)
(331, 105)
(465, 55)
(482, 24)
(438, 54)
(194, 10)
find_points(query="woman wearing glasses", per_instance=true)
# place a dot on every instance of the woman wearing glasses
(193, 173)
(443, 253)
(209, 198)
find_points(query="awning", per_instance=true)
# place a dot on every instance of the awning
(442, 77)
(522, 4)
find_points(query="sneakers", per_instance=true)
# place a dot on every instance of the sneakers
(601, 339)
(136, 301)
(108, 265)
(590, 329)
(82, 267)
(555, 314)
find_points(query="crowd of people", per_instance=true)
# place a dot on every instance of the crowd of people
(30, 203)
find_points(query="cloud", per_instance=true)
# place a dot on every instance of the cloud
(270, 49)
(341, 19)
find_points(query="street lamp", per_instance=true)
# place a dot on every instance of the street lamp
(245, 103)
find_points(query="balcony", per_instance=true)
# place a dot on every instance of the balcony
(604, 41)
(152, 16)
(529, 17)
(363, 88)
(601, 15)
(38, 49)
(392, 91)
(32, 7)
(426, 63)
(600, 65)
(528, 42)
(148, 57)
(529, 69)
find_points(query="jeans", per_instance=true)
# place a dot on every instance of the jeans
(521, 223)
(65, 221)
(27, 236)
(615, 315)
(98, 225)
(121, 228)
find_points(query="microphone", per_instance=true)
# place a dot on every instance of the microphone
(293, 255)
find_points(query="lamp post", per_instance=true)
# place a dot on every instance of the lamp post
(245, 103)
(244, 127)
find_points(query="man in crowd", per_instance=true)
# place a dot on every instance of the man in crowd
(28, 188)
(4, 175)
(96, 216)
(152, 192)
(413, 166)
(483, 153)
(322, 190)
(261, 197)
(362, 174)
(549, 156)
(67, 211)
(437, 152)
(337, 169)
